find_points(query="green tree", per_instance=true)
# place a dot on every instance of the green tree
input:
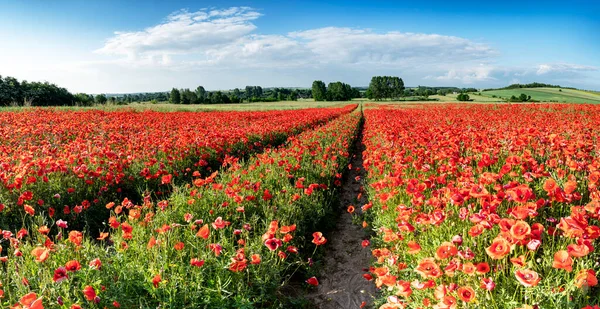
(462, 97)
(101, 99)
(200, 95)
(84, 99)
(293, 95)
(188, 97)
(524, 98)
(175, 96)
(254, 93)
(385, 87)
(339, 91)
(319, 91)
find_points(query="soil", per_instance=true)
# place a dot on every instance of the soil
(341, 283)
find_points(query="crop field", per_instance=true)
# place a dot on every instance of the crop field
(547, 95)
(456, 206)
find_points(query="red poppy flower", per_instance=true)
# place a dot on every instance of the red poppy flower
(220, 223)
(287, 229)
(312, 281)
(41, 254)
(44, 230)
(446, 250)
(520, 230)
(527, 277)
(76, 237)
(216, 248)
(73, 265)
(413, 247)
(95, 263)
(31, 301)
(60, 274)
(29, 210)
(428, 268)
(586, 278)
(89, 293)
(499, 248)
(156, 280)
(482, 268)
(488, 284)
(576, 250)
(466, 294)
(318, 239)
(196, 262)
(179, 246)
(562, 260)
(204, 232)
(273, 244)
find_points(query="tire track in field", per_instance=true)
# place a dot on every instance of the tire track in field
(341, 283)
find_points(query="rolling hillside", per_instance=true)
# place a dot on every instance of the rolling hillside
(548, 95)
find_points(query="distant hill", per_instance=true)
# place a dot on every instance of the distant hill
(547, 94)
(530, 85)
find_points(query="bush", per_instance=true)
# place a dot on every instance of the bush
(462, 97)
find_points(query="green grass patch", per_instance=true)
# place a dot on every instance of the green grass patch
(547, 95)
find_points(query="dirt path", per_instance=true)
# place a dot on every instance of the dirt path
(341, 284)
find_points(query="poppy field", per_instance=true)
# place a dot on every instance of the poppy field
(484, 206)
(65, 164)
(468, 206)
(225, 239)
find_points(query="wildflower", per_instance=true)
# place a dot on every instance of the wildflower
(527, 277)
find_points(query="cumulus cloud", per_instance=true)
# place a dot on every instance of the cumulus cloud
(226, 37)
(184, 32)
(563, 68)
(357, 46)
(469, 75)
(548, 72)
(223, 48)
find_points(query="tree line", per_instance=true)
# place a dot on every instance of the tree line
(13, 92)
(24, 93)
(248, 94)
(530, 85)
(336, 91)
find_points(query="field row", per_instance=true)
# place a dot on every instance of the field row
(63, 163)
(472, 206)
(484, 206)
(227, 240)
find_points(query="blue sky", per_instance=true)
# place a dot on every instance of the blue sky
(129, 46)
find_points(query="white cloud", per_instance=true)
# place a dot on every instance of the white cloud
(227, 38)
(183, 32)
(501, 75)
(563, 68)
(469, 75)
(360, 46)
(224, 48)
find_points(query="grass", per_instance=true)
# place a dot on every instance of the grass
(473, 96)
(538, 94)
(167, 107)
(547, 95)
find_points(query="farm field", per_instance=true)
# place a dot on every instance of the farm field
(167, 107)
(299, 155)
(474, 97)
(483, 206)
(66, 163)
(452, 206)
(547, 95)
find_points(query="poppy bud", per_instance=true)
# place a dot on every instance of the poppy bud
(457, 239)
